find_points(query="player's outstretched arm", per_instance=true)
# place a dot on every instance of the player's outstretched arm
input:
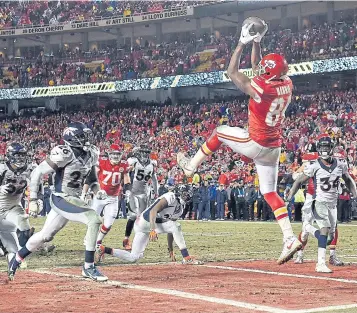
(300, 180)
(350, 184)
(241, 80)
(256, 49)
(158, 207)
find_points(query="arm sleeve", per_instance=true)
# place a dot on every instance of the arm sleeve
(155, 184)
(35, 180)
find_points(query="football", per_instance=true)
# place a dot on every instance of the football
(258, 26)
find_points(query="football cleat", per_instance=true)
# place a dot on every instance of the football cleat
(299, 259)
(322, 268)
(99, 254)
(127, 244)
(335, 261)
(13, 265)
(291, 246)
(93, 273)
(184, 163)
(191, 261)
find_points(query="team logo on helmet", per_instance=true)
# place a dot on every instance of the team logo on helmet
(270, 63)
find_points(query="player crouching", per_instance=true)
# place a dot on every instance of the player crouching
(159, 218)
(326, 173)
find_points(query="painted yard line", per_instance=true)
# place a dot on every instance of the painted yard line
(176, 293)
(326, 309)
(238, 269)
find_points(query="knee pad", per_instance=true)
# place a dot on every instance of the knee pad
(274, 200)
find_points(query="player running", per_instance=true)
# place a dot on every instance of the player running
(307, 216)
(270, 94)
(72, 163)
(159, 218)
(143, 170)
(14, 178)
(326, 173)
(112, 172)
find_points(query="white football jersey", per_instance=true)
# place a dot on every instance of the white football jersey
(172, 212)
(71, 169)
(326, 179)
(141, 175)
(17, 181)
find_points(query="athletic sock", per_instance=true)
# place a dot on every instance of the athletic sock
(89, 259)
(332, 252)
(102, 233)
(321, 251)
(129, 228)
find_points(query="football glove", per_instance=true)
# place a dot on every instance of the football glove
(153, 235)
(101, 195)
(34, 207)
(5, 189)
(260, 37)
(245, 36)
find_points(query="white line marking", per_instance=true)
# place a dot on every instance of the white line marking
(325, 309)
(238, 269)
(175, 293)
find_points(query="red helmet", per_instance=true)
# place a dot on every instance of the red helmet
(272, 66)
(115, 153)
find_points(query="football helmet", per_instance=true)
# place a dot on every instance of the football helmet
(272, 66)
(16, 155)
(325, 147)
(143, 155)
(115, 154)
(77, 135)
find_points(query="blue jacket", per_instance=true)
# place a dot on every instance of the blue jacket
(212, 193)
(221, 196)
(204, 193)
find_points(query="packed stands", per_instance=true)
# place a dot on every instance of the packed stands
(172, 128)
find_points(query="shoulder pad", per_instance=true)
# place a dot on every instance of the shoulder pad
(61, 155)
(170, 197)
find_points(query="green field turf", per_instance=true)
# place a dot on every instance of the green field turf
(208, 241)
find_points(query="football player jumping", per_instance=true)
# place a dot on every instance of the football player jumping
(14, 177)
(72, 163)
(326, 173)
(112, 172)
(270, 94)
(143, 169)
(159, 218)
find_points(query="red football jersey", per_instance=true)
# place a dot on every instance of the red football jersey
(267, 110)
(110, 176)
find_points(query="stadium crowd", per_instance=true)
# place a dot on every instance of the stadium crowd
(179, 56)
(171, 128)
(30, 13)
